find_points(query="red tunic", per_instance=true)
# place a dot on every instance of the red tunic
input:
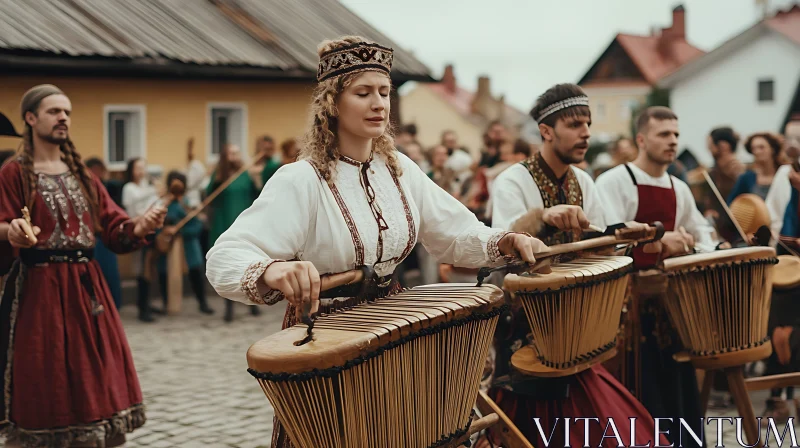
(67, 375)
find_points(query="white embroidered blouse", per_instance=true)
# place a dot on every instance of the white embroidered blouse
(299, 217)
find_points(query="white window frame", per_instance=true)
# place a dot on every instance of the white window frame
(212, 158)
(139, 109)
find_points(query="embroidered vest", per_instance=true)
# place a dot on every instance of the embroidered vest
(567, 193)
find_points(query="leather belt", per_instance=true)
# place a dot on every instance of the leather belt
(32, 257)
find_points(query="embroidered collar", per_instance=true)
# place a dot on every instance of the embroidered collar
(548, 172)
(354, 162)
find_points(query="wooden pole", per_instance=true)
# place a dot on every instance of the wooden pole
(175, 262)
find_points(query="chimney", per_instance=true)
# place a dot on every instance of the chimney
(449, 79)
(679, 22)
(678, 29)
(483, 97)
(675, 32)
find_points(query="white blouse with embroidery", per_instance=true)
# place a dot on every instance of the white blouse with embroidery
(299, 217)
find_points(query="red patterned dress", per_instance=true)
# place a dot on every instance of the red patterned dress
(66, 371)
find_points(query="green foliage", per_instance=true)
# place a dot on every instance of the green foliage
(656, 97)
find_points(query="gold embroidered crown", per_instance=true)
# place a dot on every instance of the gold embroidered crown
(358, 57)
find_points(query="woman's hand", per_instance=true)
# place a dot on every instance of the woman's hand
(22, 235)
(298, 281)
(521, 245)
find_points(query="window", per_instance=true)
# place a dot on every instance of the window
(600, 111)
(766, 90)
(228, 124)
(124, 130)
(628, 108)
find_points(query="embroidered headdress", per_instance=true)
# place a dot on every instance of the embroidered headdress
(358, 57)
(561, 105)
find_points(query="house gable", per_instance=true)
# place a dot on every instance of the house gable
(613, 65)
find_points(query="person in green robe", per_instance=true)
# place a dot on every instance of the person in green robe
(190, 232)
(235, 199)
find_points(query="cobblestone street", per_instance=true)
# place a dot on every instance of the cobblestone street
(194, 378)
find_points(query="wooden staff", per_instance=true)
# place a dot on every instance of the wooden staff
(164, 239)
(724, 205)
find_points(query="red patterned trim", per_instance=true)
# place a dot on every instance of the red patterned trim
(492, 246)
(250, 280)
(412, 230)
(348, 219)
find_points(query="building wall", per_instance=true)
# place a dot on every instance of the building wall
(432, 116)
(175, 110)
(612, 104)
(726, 93)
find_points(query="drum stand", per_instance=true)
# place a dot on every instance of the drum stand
(493, 416)
(732, 364)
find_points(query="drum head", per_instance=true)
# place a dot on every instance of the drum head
(725, 256)
(786, 274)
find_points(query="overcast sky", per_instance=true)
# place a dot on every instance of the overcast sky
(525, 46)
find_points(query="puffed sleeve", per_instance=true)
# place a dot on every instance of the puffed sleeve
(117, 226)
(508, 198)
(778, 197)
(274, 228)
(448, 230)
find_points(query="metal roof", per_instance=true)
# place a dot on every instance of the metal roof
(279, 35)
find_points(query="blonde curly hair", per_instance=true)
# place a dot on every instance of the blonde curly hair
(319, 144)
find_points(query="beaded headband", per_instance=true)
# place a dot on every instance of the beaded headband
(563, 104)
(358, 57)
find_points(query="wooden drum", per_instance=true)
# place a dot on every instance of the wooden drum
(400, 371)
(719, 304)
(574, 314)
(786, 274)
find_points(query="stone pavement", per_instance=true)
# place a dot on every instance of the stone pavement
(193, 373)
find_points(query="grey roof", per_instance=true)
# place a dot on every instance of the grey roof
(277, 35)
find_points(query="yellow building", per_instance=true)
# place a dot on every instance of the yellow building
(436, 107)
(144, 77)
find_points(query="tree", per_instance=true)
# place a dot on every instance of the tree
(656, 97)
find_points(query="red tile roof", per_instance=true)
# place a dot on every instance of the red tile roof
(657, 56)
(787, 23)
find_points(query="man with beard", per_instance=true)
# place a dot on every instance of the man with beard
(643, 191)
(551, 199)
(546, 188)
(69, 377)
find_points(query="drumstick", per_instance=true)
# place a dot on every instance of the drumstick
(724, 205)
(29, 230)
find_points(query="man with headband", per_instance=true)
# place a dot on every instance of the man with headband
(67, 370)
(548, 197)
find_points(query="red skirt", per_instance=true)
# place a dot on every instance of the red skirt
(593, 393)
(71, 372)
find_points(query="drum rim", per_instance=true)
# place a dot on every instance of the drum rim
(272, 359)
(558, 281)
(725, 256)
